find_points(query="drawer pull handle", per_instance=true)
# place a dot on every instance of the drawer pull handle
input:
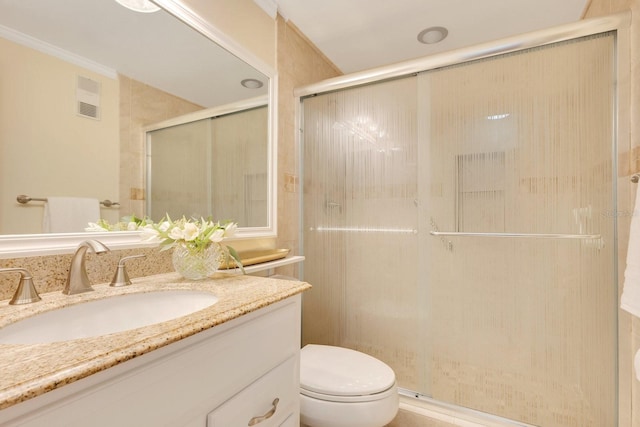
(256, 420)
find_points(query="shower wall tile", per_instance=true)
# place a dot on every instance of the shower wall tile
(629, 163)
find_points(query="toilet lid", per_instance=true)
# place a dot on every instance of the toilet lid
(340, 371)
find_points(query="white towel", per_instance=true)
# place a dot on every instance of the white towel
(630, 300)
(69, 214)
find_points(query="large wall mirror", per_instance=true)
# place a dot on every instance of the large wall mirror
(82, 83)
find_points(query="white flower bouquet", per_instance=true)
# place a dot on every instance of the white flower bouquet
(194, 235)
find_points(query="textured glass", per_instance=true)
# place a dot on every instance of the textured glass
(178, 163)
(214, 167)
(521, 327)
(360, 196)
(239, 171)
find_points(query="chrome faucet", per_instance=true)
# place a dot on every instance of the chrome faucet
(78, 280)
(26, 291)
(121, 278)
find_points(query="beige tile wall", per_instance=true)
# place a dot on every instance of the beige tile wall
(629, 163)
(240, 22)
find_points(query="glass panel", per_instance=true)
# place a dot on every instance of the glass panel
(178, 168)
(215, 167)
(239, 172)
(524, 328)
(360, 214)
(520, 327)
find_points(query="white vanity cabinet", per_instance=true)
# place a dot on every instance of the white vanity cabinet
(221, 377)
(272, 399)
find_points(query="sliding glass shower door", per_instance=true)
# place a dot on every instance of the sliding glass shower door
(210, 165)
(458, 225)
(360, 216)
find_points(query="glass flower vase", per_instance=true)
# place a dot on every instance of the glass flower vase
(196, 264)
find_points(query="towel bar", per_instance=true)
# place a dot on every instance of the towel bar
(534, 236)
(23, 199)
(635, 178)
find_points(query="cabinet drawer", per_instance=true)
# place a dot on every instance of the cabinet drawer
(258, 401)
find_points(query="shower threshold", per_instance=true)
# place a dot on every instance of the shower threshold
(455, 415)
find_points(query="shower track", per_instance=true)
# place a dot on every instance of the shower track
(454, 414)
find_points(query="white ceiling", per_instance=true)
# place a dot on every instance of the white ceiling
(354, 34)
(362, 34)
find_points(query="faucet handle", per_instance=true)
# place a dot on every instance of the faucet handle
(26, 291)
(121, 278)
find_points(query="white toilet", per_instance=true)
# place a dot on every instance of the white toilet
(340, 387)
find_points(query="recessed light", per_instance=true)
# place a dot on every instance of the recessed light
(251, 83)
(432, 35)
(144, 6)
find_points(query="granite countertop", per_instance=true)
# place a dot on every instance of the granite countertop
(30, 370)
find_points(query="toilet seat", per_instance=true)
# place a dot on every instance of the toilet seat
(342, 375)
(350, 399)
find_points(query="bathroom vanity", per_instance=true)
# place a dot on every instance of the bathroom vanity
(234, 363)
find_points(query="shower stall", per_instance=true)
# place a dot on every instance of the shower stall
(458, 224)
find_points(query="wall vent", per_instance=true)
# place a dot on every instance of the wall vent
(88, 98)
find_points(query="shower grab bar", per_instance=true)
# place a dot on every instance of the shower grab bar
(23, 199)
(526, 235)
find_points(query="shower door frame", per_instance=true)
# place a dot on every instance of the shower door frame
(622, 141)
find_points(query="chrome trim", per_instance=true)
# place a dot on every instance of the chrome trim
(26, 291)
(24, 199)
(367, 230)
(410, 398)
(525, 235)
(78, 280)
(120, 277)
(511, 44)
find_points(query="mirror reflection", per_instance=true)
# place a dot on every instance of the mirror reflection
(203, 165)
(81, 81)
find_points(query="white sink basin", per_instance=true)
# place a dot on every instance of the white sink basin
(106, 316)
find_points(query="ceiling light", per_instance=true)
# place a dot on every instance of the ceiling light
(144, 6)
(432, 35)
(251, 83)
